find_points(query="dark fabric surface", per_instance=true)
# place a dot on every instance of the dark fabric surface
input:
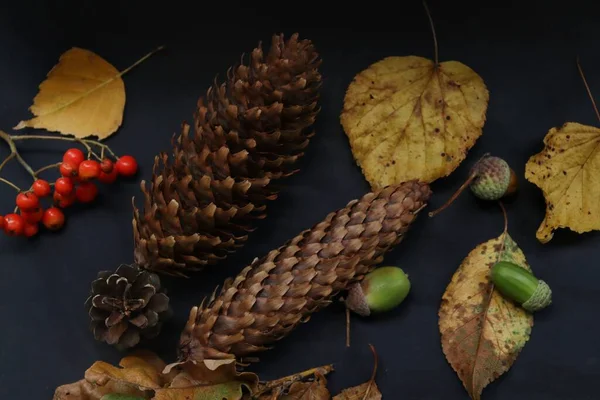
(525, 52)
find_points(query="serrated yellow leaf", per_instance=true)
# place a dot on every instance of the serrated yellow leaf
(566, 170)
(83, 95)
(407, 118)
(482, 332)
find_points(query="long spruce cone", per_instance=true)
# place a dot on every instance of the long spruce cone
(275, 293)
(250, 130)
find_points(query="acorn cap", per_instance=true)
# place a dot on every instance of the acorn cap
(381, 290)
(541, 297)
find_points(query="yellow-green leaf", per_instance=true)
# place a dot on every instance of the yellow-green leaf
(410, 118)
(482, 332)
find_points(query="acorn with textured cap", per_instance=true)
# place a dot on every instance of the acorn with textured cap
(521, 286)
(381, 290)
(491, 178)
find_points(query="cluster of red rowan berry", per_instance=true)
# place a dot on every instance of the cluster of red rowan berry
(76, 183)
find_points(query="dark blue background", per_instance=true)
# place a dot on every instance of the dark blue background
(525, 52)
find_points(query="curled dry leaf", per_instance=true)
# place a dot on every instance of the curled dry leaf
(365, 391)
(145, 375)
(313, 390)
(83, 95)
(566, 171)
(482, 333)
(411, 118)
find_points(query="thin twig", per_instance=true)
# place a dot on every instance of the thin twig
(9, 183)
(83, 142)
(15, 153)
(435, 43)
(347, 327)
(587, 87)
(373, 374)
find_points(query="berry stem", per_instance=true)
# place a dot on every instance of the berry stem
(9, 183)
(14, 153)
(47, 167)
(84, 142)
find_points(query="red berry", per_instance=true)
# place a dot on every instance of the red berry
(64, 186)
(127, 166)
(27, 201)
(30, 230)
(89, 169)
(1, 223)
(33, 216)
(86, 192)
(107, 166)
(53, 219)
(74, 156)
(110, 177)
(64, 201)
(41, 188)
(13, 224)
(68, 169)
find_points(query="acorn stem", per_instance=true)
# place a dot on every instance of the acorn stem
(461, 188)
(454, 196)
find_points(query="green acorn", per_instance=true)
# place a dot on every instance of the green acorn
(521, 286)
(381, 290)
(491, 178)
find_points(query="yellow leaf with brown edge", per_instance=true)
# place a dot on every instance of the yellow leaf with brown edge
(566, 171)
(482, 332)
(83, 95)
(410, 118)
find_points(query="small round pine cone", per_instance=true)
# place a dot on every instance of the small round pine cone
(126, 306)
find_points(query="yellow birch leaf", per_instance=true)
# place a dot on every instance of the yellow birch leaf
(566, 171)
(83, 95)
(482, 332)
(411, 118)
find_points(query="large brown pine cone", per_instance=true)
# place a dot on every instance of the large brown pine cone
(126, 306)
(250, 131)
(271, 296)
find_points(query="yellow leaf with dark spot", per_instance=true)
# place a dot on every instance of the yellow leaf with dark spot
(482, 332)
(408, 118)
(566, 170)
(312, 390)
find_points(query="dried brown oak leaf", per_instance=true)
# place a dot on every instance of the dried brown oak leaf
(144, 375)
(83, 95)
(482, 333)
(566, 170)
(412, 118)
(312, 390)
